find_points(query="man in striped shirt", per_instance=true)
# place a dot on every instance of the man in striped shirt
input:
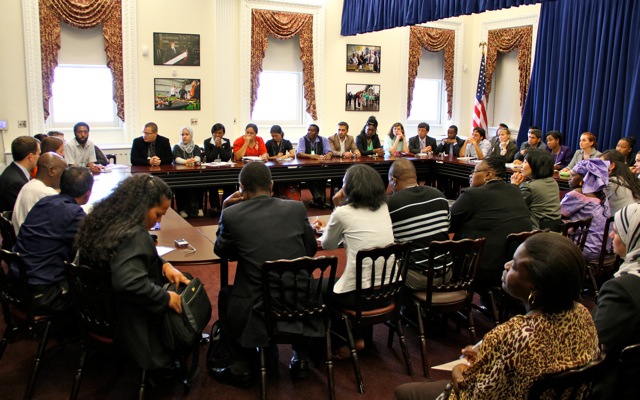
(420, 214)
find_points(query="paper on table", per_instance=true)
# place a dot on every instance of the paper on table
(252, 158)
(162, 250)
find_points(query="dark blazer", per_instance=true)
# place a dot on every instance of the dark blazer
(414, 144)
(492, 211)
(564, 156)
(512, 149)
(136, 276)
(361, 143)
(11, 181)
(247, 232)
(526, 146)
(212, 152)
(140, 147)
(617, 319)
(445, 147)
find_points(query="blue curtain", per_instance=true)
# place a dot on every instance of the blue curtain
(360, 16)
(586, 74)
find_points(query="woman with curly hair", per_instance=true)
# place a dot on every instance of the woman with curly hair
(114, 236)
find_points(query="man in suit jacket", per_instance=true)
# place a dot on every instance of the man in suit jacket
(342, 138)
(255, 227)
(422, 143)
(151, 148)
(452, 144)
(25, 151)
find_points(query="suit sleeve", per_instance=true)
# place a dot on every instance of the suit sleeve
(461, 212)
(224, 246)
(138, 154)
(163, 151)
(362, 146)
(615, 315)
(310, 242)
(414, 145)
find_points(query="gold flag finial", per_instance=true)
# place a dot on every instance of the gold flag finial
(483, 45)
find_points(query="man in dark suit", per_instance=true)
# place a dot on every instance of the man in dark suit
(255, 227)
(452, 144)
(151, 148)
(422, 143)
(25, 151)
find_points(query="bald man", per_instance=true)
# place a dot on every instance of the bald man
(420, 214)
(46, 183)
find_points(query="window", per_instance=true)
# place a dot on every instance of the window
(280, 99)
(82, 93)
(427, 101)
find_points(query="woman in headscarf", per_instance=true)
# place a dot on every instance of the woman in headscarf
(189, 201)
(617, 316)
(587, 199)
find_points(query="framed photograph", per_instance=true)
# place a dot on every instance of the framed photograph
(361, 97)
(177, 94)
(362, 58)
(176, 49)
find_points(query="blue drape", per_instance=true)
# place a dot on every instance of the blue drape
(586, 74)
(360, 16)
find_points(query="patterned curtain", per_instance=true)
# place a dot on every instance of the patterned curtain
(81, 14)
(431, 39)
(505, 41)
(283, 25)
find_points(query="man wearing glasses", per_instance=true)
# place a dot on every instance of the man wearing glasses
(151, 148)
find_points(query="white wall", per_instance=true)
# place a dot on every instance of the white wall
(218, 24)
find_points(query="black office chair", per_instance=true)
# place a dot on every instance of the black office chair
(390, 262)
(111, 158)
(572, 384)
(292, 295)
(6, 230)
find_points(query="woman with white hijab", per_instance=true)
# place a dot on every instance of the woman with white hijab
(617, 315)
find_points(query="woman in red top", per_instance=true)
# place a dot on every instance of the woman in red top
(250, 144)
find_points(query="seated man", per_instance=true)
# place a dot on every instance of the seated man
(46, 238)
(452, 144)
(46, 183)
(315, 147)
(25, 151)
(80, 151)
(534, 142)
(420, 214)
(422, 143)
(342, 144)
(151, 148)
(255, 227)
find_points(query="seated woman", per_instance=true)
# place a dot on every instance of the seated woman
(367, 141)
(250, 145)
(546, 274)
(562, 154)
(361, 220)
(587, 199)
(395, 141)
(52, 143)
(625, 146)
(491, 208)
(278, 146)
(540, 191)
(114, 236)
(476, 145)
(188, 201)
(217, 148)
(504, 146)
(624, 186)
(587, 150)
(617, 315)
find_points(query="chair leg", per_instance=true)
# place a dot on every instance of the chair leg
(329, 363)
(592, 278)
(472, 328)
(354, 356)
(423, 341)
(403, 345)
(494, 307)
(143, 379)
(263, 375)
(78, 378)
(41, 348)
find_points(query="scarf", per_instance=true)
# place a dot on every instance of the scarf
(188, 147)
(595, 174)
(627, 222)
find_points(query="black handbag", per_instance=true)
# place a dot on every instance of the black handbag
(183, 331)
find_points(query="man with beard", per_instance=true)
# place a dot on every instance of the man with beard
(80, 151)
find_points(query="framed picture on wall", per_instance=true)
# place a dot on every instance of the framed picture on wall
(363, 58)
(362, 97)
(177, 94)
(176, 49)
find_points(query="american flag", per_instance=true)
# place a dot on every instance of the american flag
(480, 108)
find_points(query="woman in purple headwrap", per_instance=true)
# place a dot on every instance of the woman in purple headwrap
(587, 199)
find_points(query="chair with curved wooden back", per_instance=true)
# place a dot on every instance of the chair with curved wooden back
(6, 230)
(607, 261)
(573, 384)
(577, 231)
(292, 293)
(458, 262)
(389, 263)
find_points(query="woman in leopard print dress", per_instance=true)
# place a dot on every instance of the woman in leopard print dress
(557, 333)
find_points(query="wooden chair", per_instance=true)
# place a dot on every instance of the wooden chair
(577, 231)
(389, 262)
(606, 263)
(292, 291)
(459, 260)
(6, 230)
(19, 315)
(572, 384)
